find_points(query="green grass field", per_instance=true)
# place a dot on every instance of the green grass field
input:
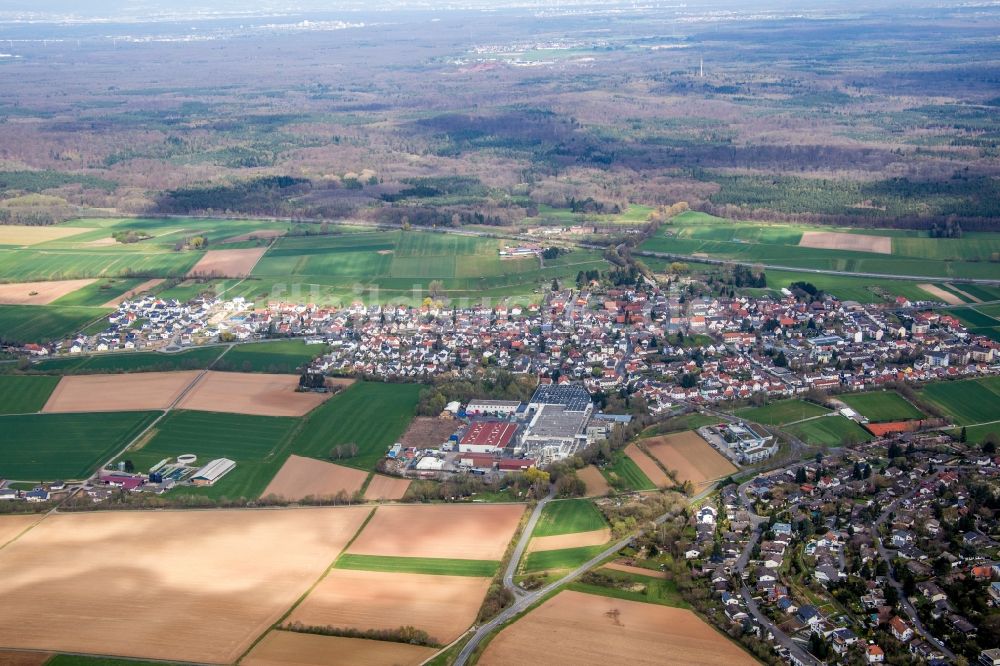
(967, 402)
(657, 591)
(626, 475)
(882, 406)
(100, 292)
(192, 359)
(258, 444)
(830, 431)
(568, 517)
(418, 565)
(21, 394)
(273, 356)
(780, 413)
(42, 323)
(65, 446)
(568, 558)
(974, 318)
(372, 415)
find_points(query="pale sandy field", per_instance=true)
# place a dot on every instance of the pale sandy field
(460, 531)
(145, 286)
(251, 393)
(114, 393)
(628, 568)
(227, 263)
(12, 525)
(386, 488)
(648, 466)
(12, 658)
(588, 630)
(941, 294)
(286, 648)
(263, 233)
(39, 293)
(194, 586)
(302, 477)
(690, 456)
(560, 541)
(832, 240)
(597, 485)
(443, 606)
(11, 234)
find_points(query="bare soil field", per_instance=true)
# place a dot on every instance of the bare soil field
(145, 286)
(628, 568)
(251, 393)
(690, 456)
(461, 531)
(443, 606)
(561, 541)
(227, 263)
(287, 648)
(648, 466)
(583, 629)
(832, 240)
(194, 586)
(597, 485)
(302, 477)
(263, 234)
(11, 234)
(12, 658)
(428, 431)
(119, 393)
(11, 526)
(39, 293)
(386, 488)
(941, 294)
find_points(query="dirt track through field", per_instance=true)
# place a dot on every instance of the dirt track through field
(302, 477)
(941, 294)
(132, 293)
(251, 393)
(648, 466)
(443, 606)
(561, 541)
(460, 531)
(386, 488)
(287, 648)
(832, 240)
(227, 263)
(263, 234)
(118, 393)
(584, 630)
(194, 586)
(690, 457)
(39, 293)
(12, 525)
(597, 485)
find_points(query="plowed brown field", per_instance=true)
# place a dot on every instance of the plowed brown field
(691, 457)
(119, 393)
(39, 293)
(386, 488)
(596, 484)
(286, 648)
(648, 466)
(577, 540)
(251, 393)
(227, 263)
(302, 477)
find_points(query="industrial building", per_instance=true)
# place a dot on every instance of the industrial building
(573, 397)
(487, 437)
(213, 471)
(555, 433)
(492, 407)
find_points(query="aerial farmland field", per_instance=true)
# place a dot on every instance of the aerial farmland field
(42, 323)
(116, 393)
(830, 431)
(272, 356)
(65, 446)
(590, 629)
(370, 415)
(690, 458)
(252, 393)
(782, 412)
(290, 648)
(195, 586)
(569, 523)
(969, 401)
(191, 359)
(20, 394)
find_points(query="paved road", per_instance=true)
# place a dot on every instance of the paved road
(903, 601)
(522, 544)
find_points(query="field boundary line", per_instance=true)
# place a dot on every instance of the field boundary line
(302, 597)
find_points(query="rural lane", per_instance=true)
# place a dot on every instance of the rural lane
(522, 544)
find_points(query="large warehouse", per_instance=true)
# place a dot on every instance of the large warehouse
(487, 437)
(213, 471)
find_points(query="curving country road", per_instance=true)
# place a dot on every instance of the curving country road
(522, 544)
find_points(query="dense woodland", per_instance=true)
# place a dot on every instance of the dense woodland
(887, 119)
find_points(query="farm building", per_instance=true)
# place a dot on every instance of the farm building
(487, 437)
(213, 471)
(492, 407)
